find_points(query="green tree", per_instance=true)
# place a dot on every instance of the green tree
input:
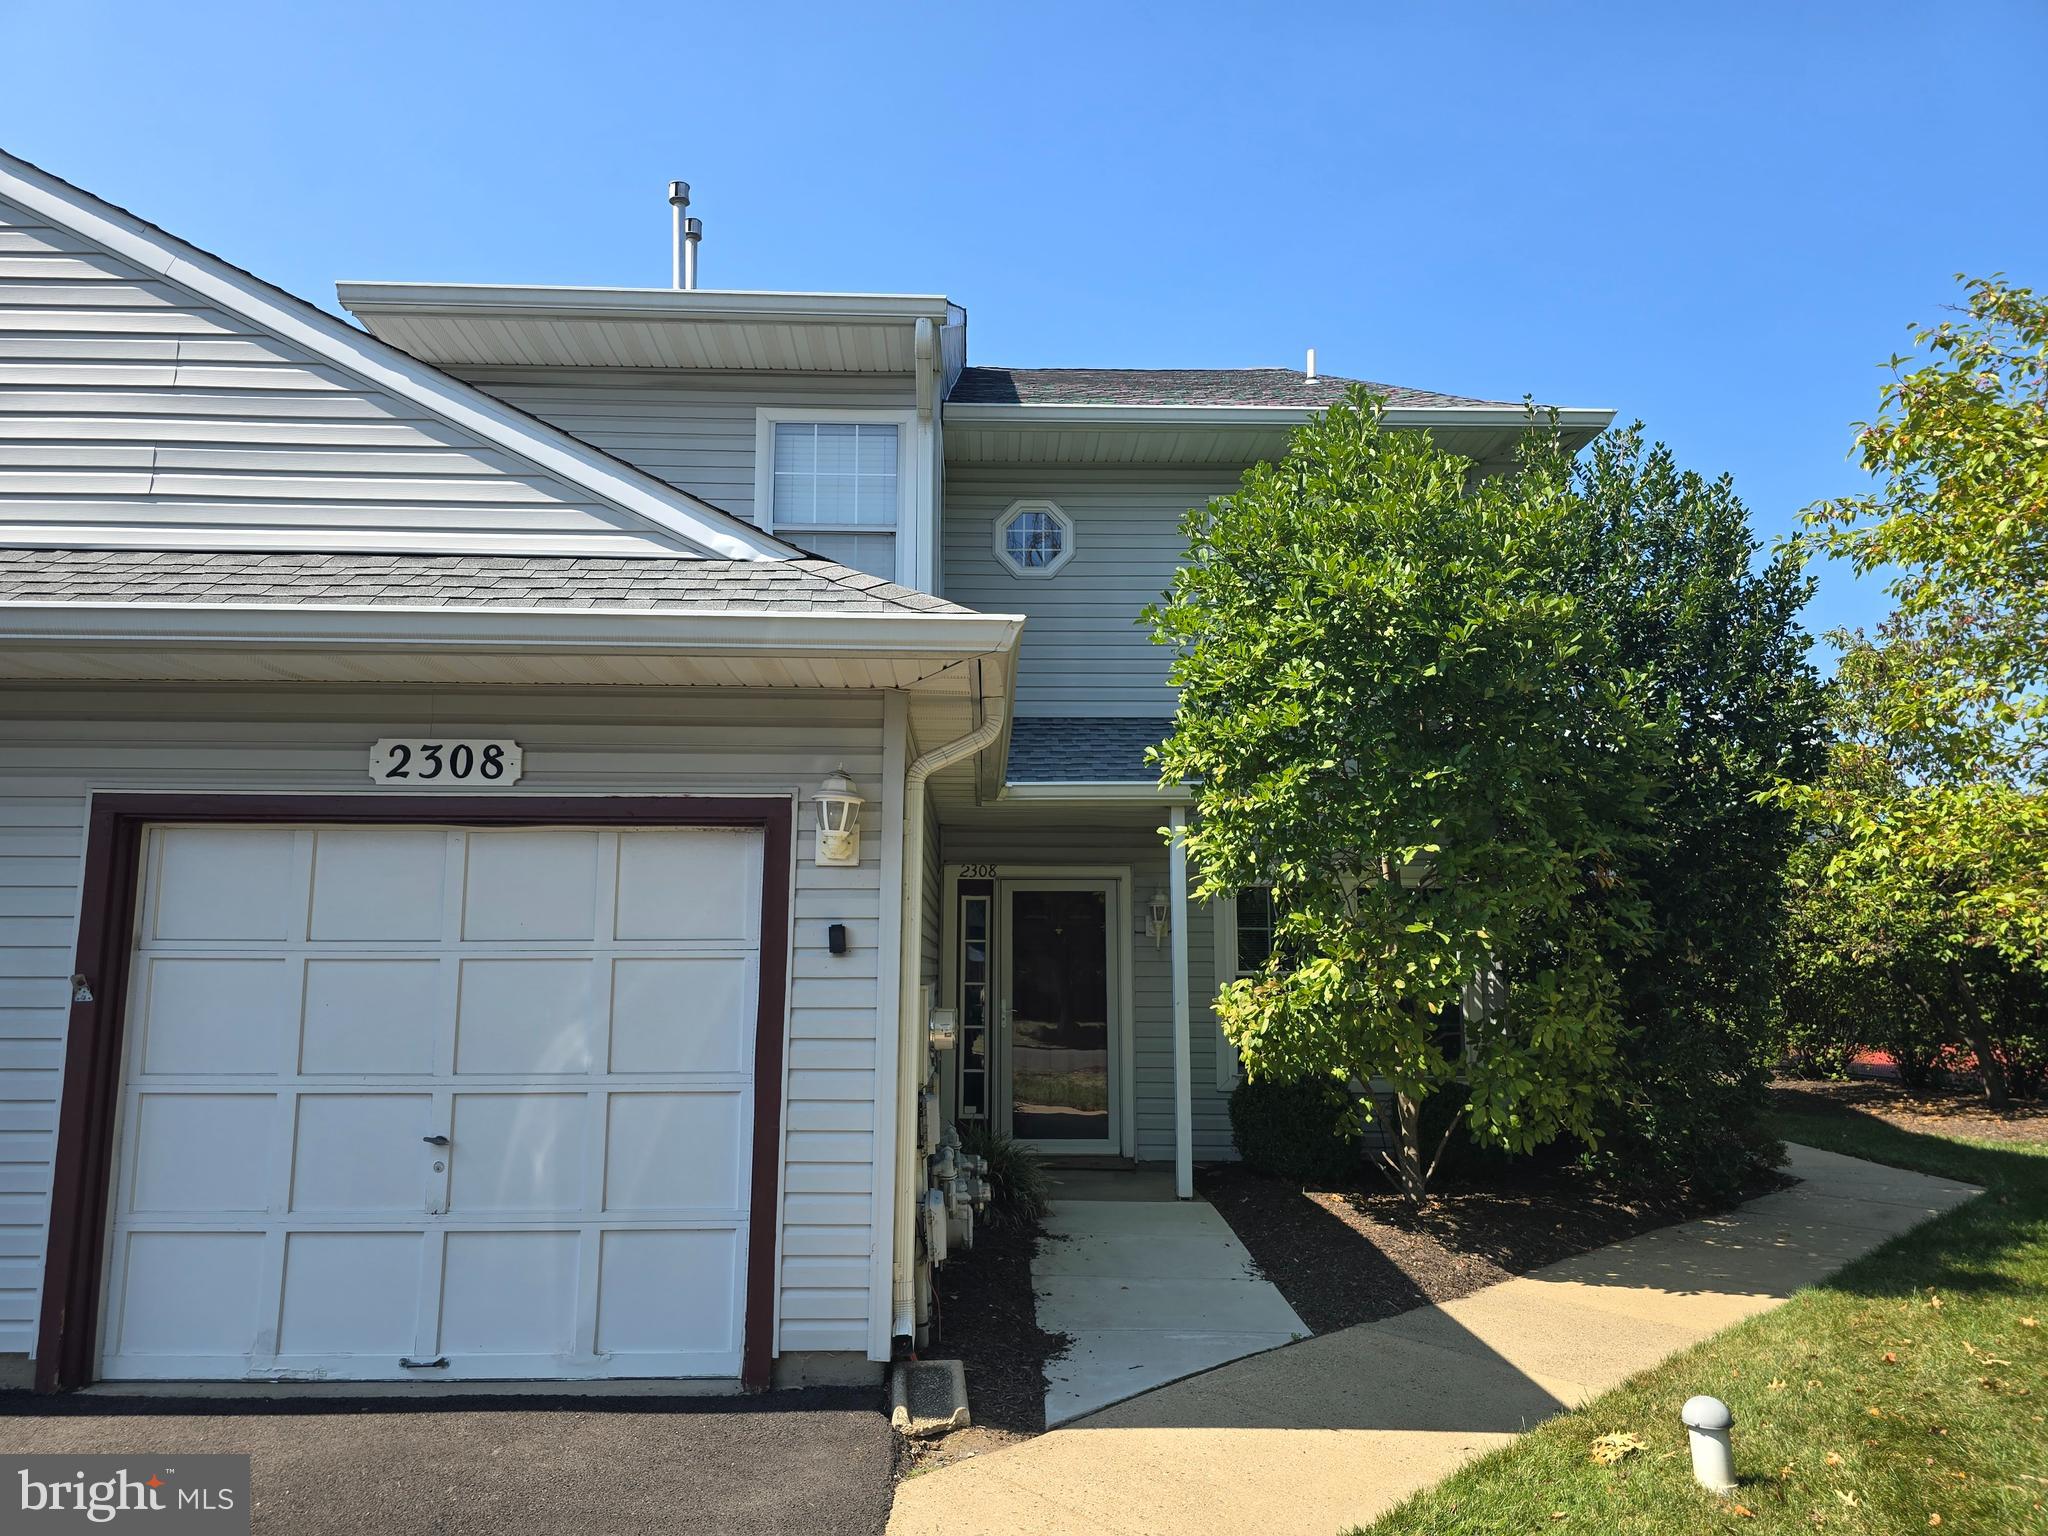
(1937, 804)
(1399, 717)
(1691, 605)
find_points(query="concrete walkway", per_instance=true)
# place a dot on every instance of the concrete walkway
(1330, 1432)
(1150, 1289)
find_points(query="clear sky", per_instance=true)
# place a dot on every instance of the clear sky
(1720, 218)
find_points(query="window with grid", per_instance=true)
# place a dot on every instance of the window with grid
(1035, 540)
(1254, 929)
(836, 491)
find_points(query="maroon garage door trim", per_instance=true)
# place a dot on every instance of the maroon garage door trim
(92, 1056)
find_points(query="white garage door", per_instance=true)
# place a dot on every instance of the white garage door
(312, 1009)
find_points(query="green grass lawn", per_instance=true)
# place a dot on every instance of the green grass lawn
(1906, 1394)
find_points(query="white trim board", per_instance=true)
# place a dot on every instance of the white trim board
(708, 529)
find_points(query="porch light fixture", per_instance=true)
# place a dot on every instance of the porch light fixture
(838, 821)
(1156, 918)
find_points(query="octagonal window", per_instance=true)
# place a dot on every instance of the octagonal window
(1034, 538)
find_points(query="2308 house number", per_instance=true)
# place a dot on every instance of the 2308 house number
(423, 762)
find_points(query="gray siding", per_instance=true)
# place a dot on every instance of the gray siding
(1084, 652)
(130, 407)
(56, 748)
(1046, 841)
(694, 430)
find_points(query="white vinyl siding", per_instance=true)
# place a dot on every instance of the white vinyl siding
(694, 430)
(1084, 651)
(57, 747)
(132, 411)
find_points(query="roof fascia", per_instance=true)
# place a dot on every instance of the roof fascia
(1024, 415)
(346, 626)
(709, 528)
(507, 300)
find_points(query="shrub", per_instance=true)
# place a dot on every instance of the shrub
(1306, 1130)
(1019, 1192)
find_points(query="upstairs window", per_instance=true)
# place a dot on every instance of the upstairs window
(1034, 538)
(835, 490)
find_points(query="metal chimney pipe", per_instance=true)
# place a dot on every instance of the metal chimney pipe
(678, 200)
(693, 231)
(1311, 373)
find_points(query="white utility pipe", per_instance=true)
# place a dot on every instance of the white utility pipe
(1707, 1425)
(910, 1042)
(1183, 1064)
(678, 200)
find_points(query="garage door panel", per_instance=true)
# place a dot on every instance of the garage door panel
(674, 1151)
(510, 1293)
(380, 884)
(533, 887)
(214, 1016)
(685, 886)
(528, 1017)
(683, 1014)
(201, 1152)
(640, 1272)
(362, 1154)
(189, 1294)
(225, 884)
(573, 1010)
(350, 1293)
(517, 1153)
(369, 1016)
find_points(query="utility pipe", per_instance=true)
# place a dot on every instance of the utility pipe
(910, 1042)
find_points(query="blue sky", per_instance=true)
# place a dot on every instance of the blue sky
(1718, 218)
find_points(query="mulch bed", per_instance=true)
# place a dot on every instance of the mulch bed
(989, 1322)
(1941, 1111)
(1346, 1256)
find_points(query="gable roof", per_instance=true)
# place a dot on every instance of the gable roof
(280, 579)
(1279, 387)
(1071, 749)
(548, 450)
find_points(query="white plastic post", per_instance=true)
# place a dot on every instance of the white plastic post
(1707, 1423)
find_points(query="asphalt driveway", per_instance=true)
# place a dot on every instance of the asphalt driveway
(813, 1462)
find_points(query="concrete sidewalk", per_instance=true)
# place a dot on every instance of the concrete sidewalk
(1325, 1434)
(1148, 1289)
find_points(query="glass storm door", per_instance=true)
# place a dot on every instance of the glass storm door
(1058, 1003)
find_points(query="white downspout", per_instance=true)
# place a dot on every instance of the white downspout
(911, 1044)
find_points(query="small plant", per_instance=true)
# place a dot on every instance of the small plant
(1020, 1193)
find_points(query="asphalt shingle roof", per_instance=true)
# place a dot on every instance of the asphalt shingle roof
(1082, 750)
(1177, 386)
(451, 581)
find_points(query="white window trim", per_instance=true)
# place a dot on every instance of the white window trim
(910, 473)
(1224, 910)
(1033, 504)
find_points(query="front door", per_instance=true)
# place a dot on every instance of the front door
(1059, 1004)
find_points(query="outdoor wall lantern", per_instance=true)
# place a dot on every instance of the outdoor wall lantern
(838, 821)
(1156, 912)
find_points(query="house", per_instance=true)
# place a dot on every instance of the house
(498, 805)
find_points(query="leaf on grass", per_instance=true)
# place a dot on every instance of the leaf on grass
(1848, 1498)
(1934, 1519)
(1619, 1446)
(1890, 1358)
(2030, 1322)
(1775, 1384)
(1742, 1511)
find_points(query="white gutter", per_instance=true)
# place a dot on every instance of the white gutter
(509, 300)
(1273, 416)
(340, 626)
(1085, 790)
(910, 1042)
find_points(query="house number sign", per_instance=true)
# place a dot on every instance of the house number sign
(427, 762)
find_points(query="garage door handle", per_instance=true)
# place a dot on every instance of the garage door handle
(407, 1363)
(435, 1141)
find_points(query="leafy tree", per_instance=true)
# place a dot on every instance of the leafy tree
(1678, 582)
(1936, 807)
(1400, 718)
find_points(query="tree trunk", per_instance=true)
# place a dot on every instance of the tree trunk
(1996, 1094)
(1408, 1162)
